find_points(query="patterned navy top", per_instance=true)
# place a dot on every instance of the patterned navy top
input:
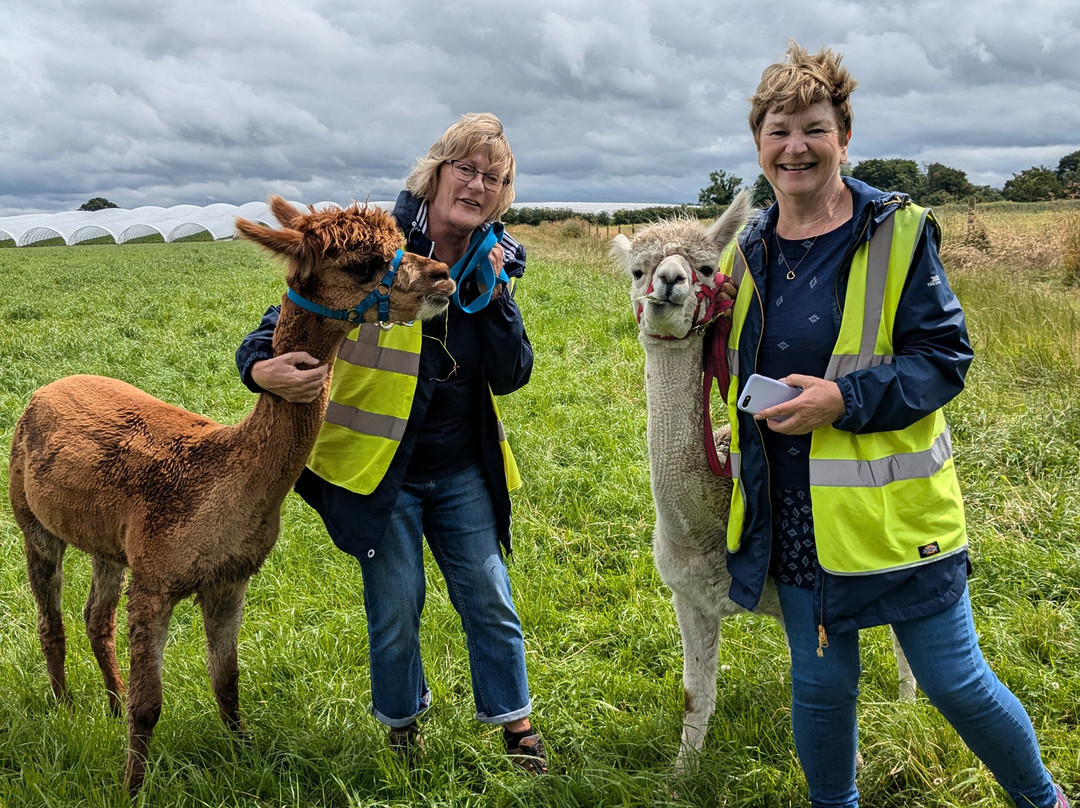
(800, 329)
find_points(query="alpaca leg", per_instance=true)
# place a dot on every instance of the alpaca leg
(148, 627)
(700, 640)
(907, 678)
(99, 615)
(44, 567)
(223, 608)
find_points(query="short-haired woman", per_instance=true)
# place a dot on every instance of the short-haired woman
(847, 495)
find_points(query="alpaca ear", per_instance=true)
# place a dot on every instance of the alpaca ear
(620, 251)
(284, 212)
(724, 229)
(286, 242)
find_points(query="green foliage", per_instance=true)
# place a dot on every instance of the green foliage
(1070, 184)
(892, 175)
(945, 184)
(534, 216)
(97, 203)
(762, 195)
(721, 189)
(1069, 164)
(1033, 185)
(985, 193)
(602, 644)
(938, 185)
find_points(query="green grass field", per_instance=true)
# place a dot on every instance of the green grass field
(602, 644)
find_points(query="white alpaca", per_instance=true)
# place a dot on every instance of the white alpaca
(673, 266)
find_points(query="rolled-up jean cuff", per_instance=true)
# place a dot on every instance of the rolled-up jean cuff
(397, 723)
(505, 718)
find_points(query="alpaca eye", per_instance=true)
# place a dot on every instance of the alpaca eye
(707, 271)
(637, 273)
(365, 266)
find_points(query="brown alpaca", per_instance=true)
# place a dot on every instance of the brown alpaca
(191, 506)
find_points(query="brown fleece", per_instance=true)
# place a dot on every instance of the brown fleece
(188, 505)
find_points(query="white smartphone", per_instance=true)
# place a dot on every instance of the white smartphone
(761, 392)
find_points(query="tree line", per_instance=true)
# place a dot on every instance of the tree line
(937, 184)
(934, 184)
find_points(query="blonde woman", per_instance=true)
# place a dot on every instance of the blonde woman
(412, 446)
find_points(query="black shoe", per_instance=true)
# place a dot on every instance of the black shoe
(406, 741)
(527, 750)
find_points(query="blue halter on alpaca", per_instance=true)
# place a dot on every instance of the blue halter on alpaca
(477, 262)
(380, 295)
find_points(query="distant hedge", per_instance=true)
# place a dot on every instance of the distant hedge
(526, 215)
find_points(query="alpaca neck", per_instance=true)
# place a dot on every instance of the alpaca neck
(282, 433)
(685, 491)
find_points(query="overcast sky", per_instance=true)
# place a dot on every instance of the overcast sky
(199, 101)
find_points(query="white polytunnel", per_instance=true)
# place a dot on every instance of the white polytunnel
(123, 225)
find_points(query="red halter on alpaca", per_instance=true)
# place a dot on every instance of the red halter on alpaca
(715, 331)
(716, 367)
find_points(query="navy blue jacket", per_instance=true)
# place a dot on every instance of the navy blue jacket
(932, 354)
(357, 522)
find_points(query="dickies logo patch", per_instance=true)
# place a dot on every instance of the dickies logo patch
(928, 550)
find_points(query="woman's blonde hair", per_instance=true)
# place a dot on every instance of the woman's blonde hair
(474, 131)
(800, 82)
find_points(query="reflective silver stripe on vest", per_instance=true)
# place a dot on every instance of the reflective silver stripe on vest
(877, 275)
(364, 351)
(841, 365)
(738, 268)
(367, 423)
(878, 473)
(735, 458)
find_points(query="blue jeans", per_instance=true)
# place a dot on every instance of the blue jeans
(455, 514)
(943, 650)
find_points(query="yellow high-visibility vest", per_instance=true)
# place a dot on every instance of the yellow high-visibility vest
(371, 395)
(881, 501)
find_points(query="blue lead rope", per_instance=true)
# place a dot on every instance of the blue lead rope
(379, 295)
(477, 262)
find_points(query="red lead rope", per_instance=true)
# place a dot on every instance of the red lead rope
(715, 330)
(716, 369)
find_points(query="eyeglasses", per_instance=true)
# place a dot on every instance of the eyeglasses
(467, 173)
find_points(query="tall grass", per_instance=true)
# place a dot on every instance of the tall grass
(602, 644)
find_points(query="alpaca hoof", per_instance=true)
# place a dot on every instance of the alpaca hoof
(116, 705)
(133, 781)
(240, 732)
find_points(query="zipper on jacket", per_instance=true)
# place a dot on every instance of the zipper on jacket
(757, 424)
(822, 637)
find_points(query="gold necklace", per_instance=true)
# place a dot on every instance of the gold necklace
(791, 269)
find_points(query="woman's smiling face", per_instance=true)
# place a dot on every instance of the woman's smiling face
(462, 205)
(800, 153)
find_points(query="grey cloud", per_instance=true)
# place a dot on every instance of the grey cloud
(229, 100)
